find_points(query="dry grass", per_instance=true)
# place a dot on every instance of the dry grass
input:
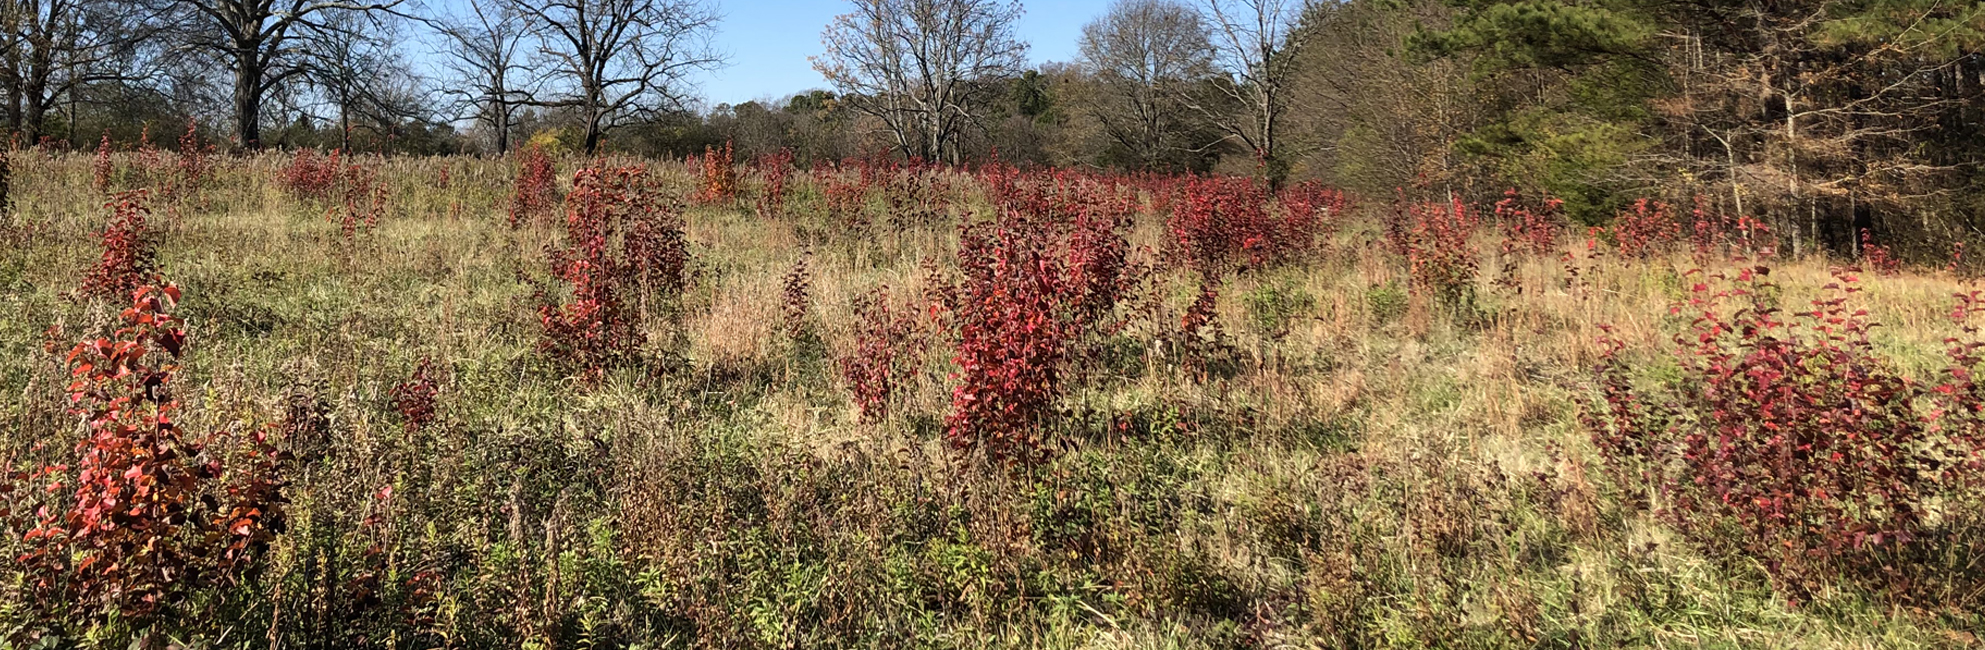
(1390, 472)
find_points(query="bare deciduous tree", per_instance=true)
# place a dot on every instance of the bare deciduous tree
(483, 54)
(1368, 116)
(616, 60)
(51, 49)
(918, 66)
(1145, 54)
(263, 43)
(358, 73)
(1256, 42)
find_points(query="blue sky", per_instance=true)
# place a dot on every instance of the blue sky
(768, 42)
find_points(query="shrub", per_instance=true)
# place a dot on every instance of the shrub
(308, 177)
(1220, 223)
(654, 250)
(194, 164)
(886, 350)
(914, 192)
(1014, 328)
(1877, 256)
(150, 160)
(622, 242)
(129, 258)
(360, 199)
(777, 171)
(1709, 231)
(1386, 302)
(1310, 213)
(1441, 260)
(102, 167)
(845, 195)
(1788, 439)
(1274, 308)
(1527, 231)
(719, 176)
(1645, 229)
(593, 329)
(1098, 259)
(1032, 284)
(147, 514)
(413, 399)
(1758, 242)
(1527, 228)
(534, 196)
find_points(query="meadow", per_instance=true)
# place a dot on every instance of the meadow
(309, 400)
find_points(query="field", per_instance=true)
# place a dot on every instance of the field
(426, 402)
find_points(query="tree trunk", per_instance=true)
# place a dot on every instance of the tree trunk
(248, 100)
(933, 135)
(13, 80)
(502, 127)
(14, 105)
(34, 116)
(592, 134)
(344, 120)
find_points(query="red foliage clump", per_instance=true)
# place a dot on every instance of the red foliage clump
(1790, 440)
(594, 329)
(1012, 339)
(914, 192)
(719, 176)
(194, 164)
(1877, 256)
(153, 170)
(777, 171)
(352, 194)
(413, 399)
(147, 513)
(845, 194)
(535, 196)
(1437, 250)
(102, 167)
(1526, 228)
(309, 177)
(622, 243)
(1091, 213)
(1645, 229)
(1756, 238)
(1709, 231)
(1310, 214)
(129, 257)
(1219, 223)
(1098, 259)
(1027, 293)
(886, 350)
(361, 199)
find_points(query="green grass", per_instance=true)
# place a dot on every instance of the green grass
(1371, 471)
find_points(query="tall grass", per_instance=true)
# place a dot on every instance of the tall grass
(1345, 462)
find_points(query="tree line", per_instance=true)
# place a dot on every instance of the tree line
(1826, 118)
